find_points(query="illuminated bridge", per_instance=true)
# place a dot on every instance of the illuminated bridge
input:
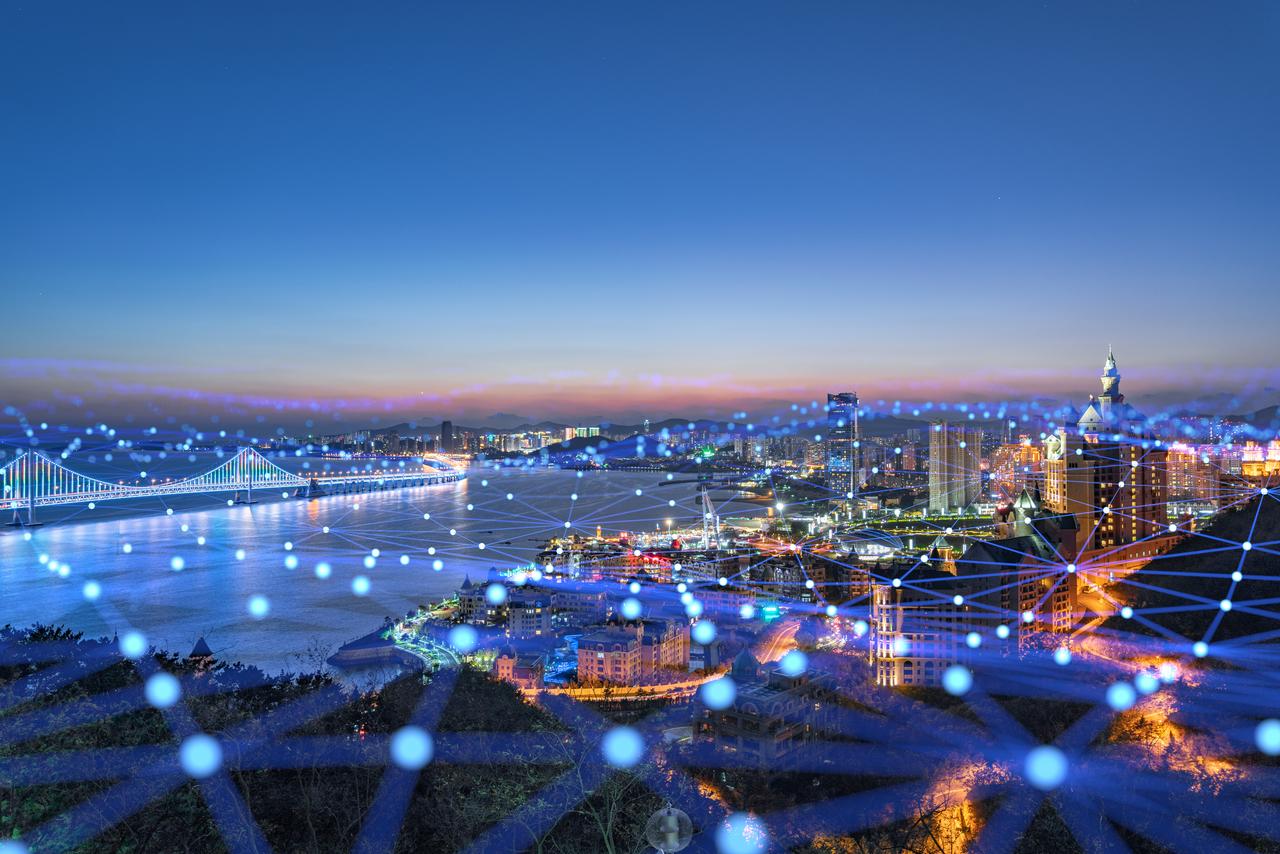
(34, 480)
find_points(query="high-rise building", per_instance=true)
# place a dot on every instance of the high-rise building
(1110, 474)
(955, 467)
(842, 466)
(446, 437)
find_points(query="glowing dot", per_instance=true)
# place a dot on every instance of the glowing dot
(471, 507)
(1071, 567)
(742, 834)
(133, 645)
(437, 564)
(1200, 649)
(1246, 545)
(1121, 696)
(957, 680)
(1173, 528)
(1002, 631)
(370, 561)
(495, 593)
(168, 511)
(957, 599)
(897, 582)
(747, 611)
(860, 627)
(1168, 672)
(127, 548)
(176, 563)
(832, 610)
(463, 638)
(631, 608)
(1028, 616)
(259, 607)
(1267, 737)
(973, 640)
(718, 693)
(323, 570)
(200, 541)
(200, 755)
(1045, 767)
(291, 562)
(794, 663)
(622, 747)
(360, 585)
(1237, 576)
(780, 506)
(431, 550)
(634, 587)
(1225, 604)
(411, 748)
(325, 529)
(639, 492)
(288, 546)
(510, 496)
(92, 590)
(481, 546)
(162, 690)
(426, 516)
(1126, 612)
(1062, 656)
(1146, 682)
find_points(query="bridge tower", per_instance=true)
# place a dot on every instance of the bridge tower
(27, 473)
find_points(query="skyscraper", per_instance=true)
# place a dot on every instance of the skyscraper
(955, 467)
(446, 436)
(842, 468)
(1110, 474)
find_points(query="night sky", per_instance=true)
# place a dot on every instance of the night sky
(558, 208)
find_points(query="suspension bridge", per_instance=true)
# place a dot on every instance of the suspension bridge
(34, 480)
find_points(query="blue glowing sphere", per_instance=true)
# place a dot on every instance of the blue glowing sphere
(1062, 656)
(133, 644)
(162, 690)
(13, 846)
(463, 638)
(1045, 767)
(1267, 737)
(719, 693)
(411, 747)
(495, 593)
(957, 680)
(623, 747)
(1146, 682)
(1121, 696)
(631, 608)
(360, 585)
(704, 631)
(259, 607)
(742, 834)
(794, 663)
(200, 755)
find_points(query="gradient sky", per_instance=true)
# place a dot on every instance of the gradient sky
(542, 208)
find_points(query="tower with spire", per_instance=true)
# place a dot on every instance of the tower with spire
(1108, 411)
